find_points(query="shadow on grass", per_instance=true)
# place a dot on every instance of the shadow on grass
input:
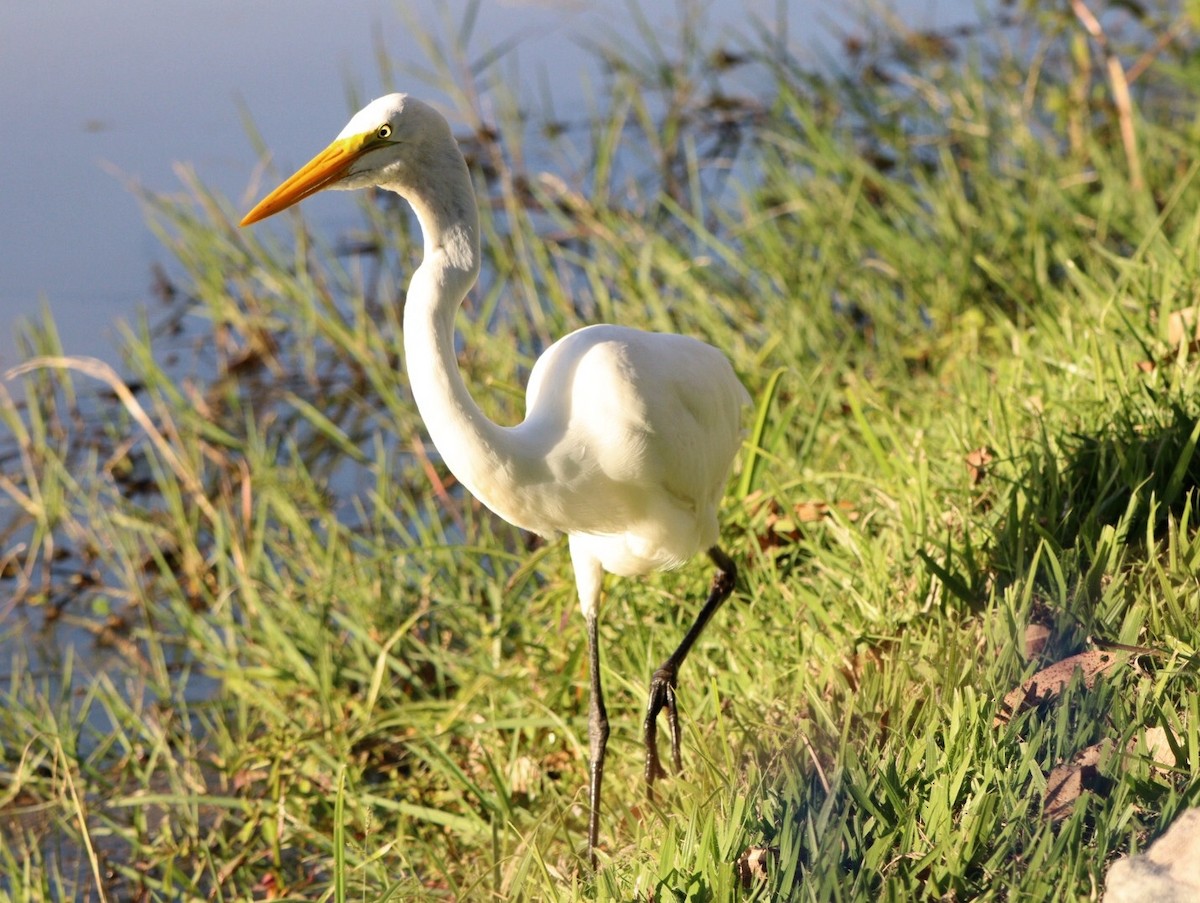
(1133, 472)
(1083, 499)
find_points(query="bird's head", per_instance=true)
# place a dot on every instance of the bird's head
(388, 142)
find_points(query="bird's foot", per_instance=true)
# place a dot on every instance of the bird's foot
(662, 696)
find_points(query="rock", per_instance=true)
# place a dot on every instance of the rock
(1168, 872)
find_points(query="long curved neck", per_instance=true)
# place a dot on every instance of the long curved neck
(478, 452)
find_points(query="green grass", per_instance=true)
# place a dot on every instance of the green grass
(335, 676)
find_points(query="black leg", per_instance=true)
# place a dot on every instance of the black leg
(662, 684)
(597, 737)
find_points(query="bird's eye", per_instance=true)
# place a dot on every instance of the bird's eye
(384, 131)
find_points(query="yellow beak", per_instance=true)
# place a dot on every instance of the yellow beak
(320, 172)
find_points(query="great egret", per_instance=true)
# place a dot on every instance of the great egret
(628, 436)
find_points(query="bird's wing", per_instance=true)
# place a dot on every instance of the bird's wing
(638, 427)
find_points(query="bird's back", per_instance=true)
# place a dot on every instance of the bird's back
(638, 431)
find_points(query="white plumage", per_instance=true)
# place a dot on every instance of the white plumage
(628, 436)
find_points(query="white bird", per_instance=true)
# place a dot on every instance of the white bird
(628, 436)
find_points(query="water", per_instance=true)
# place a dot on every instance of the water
(97, 95)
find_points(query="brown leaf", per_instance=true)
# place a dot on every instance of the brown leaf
(754, 863)
(1183, 326)
(248, 776)
(1048, 683)
(1066, 783)
(977, 463)
(1183, 332)
(857, 663)
(524, 777)
(1157, 745)
(781, 527)
(1036, 638)
(808, 512)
